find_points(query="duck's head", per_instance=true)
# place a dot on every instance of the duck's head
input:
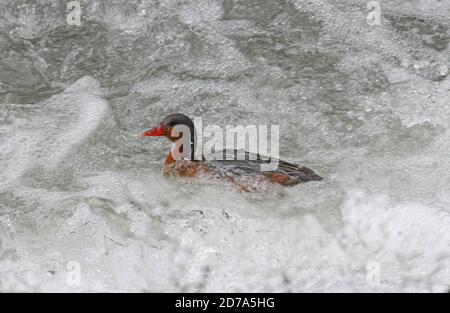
(165, 128)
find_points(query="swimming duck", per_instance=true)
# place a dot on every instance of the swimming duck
(242, 168)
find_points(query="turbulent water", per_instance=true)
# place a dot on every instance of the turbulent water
(83, 204)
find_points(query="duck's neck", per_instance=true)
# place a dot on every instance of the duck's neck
(170, 159)
(190, 156)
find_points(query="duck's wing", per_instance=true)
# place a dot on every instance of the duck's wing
(246, 163)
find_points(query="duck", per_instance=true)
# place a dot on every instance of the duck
(242, 168)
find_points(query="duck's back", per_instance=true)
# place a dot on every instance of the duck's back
(239, 163)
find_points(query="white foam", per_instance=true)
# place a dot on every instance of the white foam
(54, 130)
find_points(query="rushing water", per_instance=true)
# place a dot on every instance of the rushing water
(83, 204)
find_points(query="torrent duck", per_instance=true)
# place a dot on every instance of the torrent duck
(244, 171)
